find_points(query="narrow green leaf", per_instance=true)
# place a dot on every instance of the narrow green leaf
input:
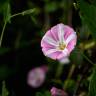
(28, 11)
(7, 12)
(88, 14)
(92, 84)
(4, 90)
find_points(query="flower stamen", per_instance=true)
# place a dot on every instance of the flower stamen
(62, 46)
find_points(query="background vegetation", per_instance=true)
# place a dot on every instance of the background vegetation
(23, 24)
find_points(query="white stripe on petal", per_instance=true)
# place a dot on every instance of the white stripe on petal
(61, 33)
(50, 51)
(50, 41)
(65, 51)
(70, 37)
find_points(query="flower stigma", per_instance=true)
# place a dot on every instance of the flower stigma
(61, 46)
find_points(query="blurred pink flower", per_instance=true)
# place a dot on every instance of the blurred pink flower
(37, 76)
(58, 42)
(58, 92)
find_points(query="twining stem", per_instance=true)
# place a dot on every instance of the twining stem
(85, 57)
(59, 70)
(16, 14)
(69, 75)
(2, 33)
(77, 85)
(72, 70)
(21, 13)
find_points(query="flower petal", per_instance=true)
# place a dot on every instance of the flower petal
(50, 40)
(71, 45)
(64, 53)
(68, 30)
(58, 92)
(51, 53)
(54, 32)
(46, 45)
(61, 32)
(36, 77)
(70, 37)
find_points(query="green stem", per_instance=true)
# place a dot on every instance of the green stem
(69, 76)
(59, 70)
(87, 59)
(2, 33)
(16, 15)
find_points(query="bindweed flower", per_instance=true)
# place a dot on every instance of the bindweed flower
(37, 76)
(58, 92)
(58, 42)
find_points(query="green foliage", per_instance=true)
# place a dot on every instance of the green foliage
(46, 93)
(5, 9)
(4, 90)
(28, 11)
(70, 85)
(4, 50)
(88, 14)
(5, 72)
(92, 85)
(39, 94)
(51, 6)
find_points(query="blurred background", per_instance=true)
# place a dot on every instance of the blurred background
(20, 49)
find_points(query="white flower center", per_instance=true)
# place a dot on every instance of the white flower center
(61, 46)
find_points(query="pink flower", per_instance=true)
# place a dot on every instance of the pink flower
(37, 76)
(58, 42)
(58, 92)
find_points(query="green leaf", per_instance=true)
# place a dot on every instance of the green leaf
(4, 89)
(88, 14)
(28, 11)
(5, 10)
(4, 50)
(92, 84)
(70, 85)
(47, 93)
(51, 6)
(39, 94)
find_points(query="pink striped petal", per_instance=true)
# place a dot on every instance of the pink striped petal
(64, 53)
(53, 53)
(49, 40)
(46, 45)
(71, 37)
(71, 45)
(68, 30)
(58, 92)
(61, 32)
(54, 31)
(36, 77)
